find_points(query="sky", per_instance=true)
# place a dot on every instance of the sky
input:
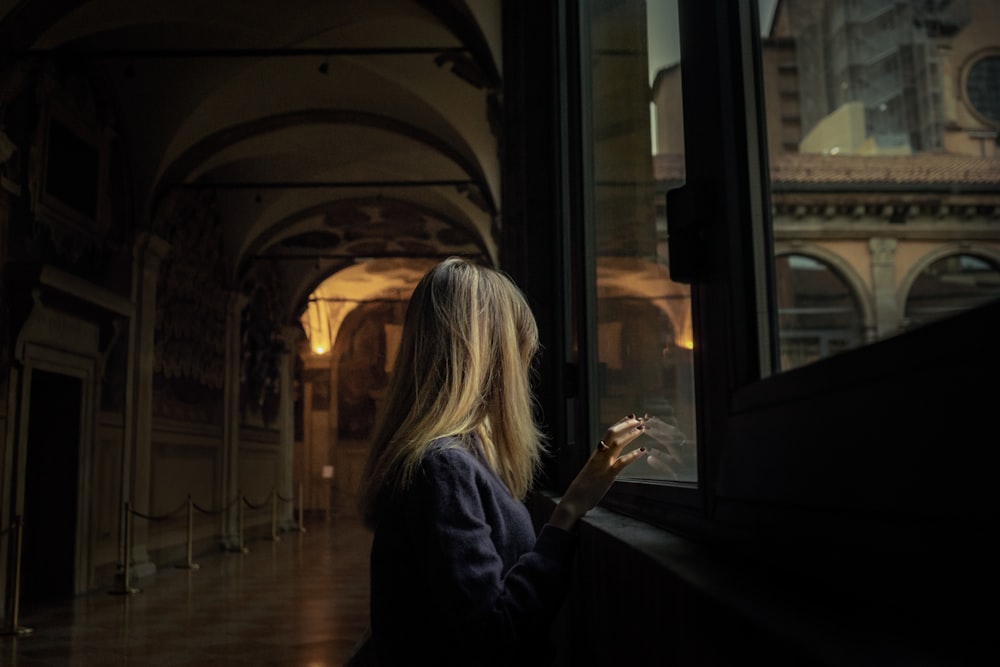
(664, 46)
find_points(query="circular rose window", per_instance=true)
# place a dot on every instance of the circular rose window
(982, 87)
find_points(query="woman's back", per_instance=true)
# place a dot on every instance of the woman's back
(457, 576)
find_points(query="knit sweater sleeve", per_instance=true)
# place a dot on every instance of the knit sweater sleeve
(460, 540)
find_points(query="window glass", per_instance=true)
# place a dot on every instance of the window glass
(949, 285)
(818, 312)
(634, 143)
(983, 87)
(883, 151)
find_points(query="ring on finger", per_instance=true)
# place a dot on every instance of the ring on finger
(603, 446)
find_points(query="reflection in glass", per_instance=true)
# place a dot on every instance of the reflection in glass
(951, 285)
(882, 140)
(644, 337)
(817, 311)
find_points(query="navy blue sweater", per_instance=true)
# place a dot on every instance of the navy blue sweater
(458, 574)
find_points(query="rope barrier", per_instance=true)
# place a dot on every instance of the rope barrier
(191, 507)
(128, 514)
(254, 506)
(228, 506)
(160, 517)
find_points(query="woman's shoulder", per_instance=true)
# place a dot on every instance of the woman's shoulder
(456, 466)
(450, 450)
(451, 455)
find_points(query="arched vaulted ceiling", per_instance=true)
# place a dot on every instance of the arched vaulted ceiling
(327, 132)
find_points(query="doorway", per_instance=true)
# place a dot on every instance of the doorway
(51, 487)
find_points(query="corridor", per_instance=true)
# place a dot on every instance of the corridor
(299, 601)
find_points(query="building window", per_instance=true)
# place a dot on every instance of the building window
(818, 314)
(982, 87)
(883, 139)
(951, 285)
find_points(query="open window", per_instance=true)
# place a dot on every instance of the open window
(744, 290)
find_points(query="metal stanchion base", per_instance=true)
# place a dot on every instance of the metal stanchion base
(188, 566)
(126, 591)
(19, 631)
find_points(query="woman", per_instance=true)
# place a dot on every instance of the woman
(458, 575)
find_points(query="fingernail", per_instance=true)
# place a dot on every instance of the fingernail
(631, 415)
(640, 427)
(642, 449)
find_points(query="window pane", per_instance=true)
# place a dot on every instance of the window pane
(818, 313)
(949, 285)
(644, 338)
(882, 139)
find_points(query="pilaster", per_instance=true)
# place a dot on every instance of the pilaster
(230, 528)
(148, 253)
(883, 260)
(286, 426)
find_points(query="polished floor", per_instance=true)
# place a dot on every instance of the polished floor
(300, 601)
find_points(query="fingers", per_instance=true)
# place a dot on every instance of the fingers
(617, 437)
(620, 434)
(603, 466)
(626, 459)
(662, 462)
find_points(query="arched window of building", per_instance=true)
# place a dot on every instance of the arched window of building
(818, 313)
(950, 285)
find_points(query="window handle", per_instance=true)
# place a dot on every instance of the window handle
(689, 213)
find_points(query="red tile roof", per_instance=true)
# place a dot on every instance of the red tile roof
(805, 169)
(884, 169)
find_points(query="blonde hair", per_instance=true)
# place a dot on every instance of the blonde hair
(463, 367)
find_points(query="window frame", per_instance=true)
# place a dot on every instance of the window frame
(702, 225)
(778, 473)
(793, 477)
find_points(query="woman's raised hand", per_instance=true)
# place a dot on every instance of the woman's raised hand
(599, 472)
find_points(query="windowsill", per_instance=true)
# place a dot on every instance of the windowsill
(816, 617)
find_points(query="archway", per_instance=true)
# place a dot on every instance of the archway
(818, 312)
(949, 285)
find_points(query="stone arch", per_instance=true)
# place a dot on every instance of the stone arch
(862, 293)
(988, 253)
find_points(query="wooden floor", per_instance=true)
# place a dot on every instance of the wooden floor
(299, 601)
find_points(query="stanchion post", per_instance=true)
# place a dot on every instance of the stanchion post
(302, 509)
(274, 516)
(242, 547)
(127, 588)
(190, 564)
(15, 628)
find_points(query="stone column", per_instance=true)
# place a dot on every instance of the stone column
(883, 258)
(231, 424)
(148, 253)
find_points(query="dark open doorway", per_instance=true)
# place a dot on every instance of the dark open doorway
(50, 491)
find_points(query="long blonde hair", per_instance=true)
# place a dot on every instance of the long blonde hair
(463, 367)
